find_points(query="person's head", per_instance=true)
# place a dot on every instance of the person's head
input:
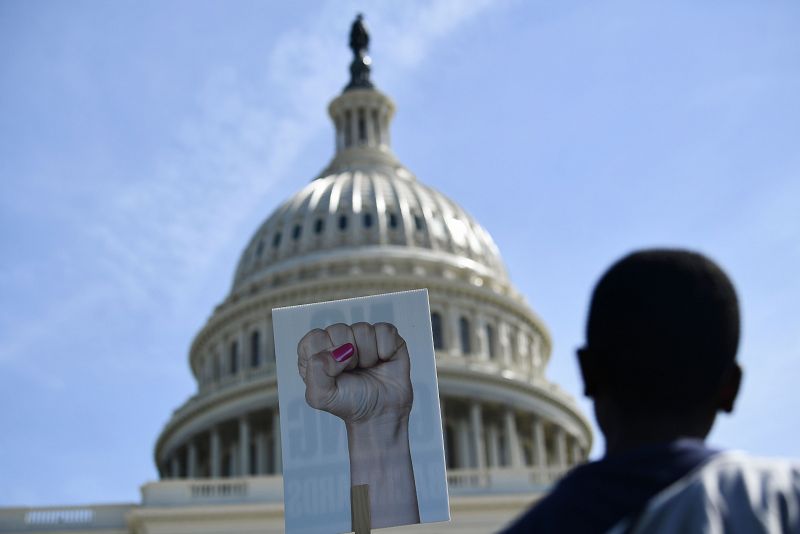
(661, 340)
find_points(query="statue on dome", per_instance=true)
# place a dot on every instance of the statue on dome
(360, 66)
(359, 38)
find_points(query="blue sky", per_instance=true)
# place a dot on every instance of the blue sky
(141, 144)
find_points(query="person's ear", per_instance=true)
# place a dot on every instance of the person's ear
(729, 389)
(590, 372)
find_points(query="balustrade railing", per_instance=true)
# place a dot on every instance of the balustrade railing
(107, 518)
(261, 489)
(502, 479)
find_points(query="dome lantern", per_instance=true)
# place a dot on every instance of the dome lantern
(361, 114)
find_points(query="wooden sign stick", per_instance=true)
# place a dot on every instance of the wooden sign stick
(359, 508)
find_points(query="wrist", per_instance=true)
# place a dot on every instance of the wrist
(375, 445)
(380, 457)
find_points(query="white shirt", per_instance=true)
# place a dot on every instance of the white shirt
(732, 493)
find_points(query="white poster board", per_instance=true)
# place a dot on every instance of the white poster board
(350, 374)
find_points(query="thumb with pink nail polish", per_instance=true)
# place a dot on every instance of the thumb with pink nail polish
(343, 353)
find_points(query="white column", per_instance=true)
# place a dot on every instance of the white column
(462, 445)
(261, 453)
(191, 460)
(494, 450)
(539, 448)
(476, 424)
(377, 126)
(214, 453)
(524, 349)
(514, 454)
(174, 466)
(382, 122)
(276, 442)
(537, 358)
(451, 330)
(561, 448)
(504, 351)
(481, 339)
(370, 126)
(244, 446)
(387, 134)
(513, 345)
(354, 140)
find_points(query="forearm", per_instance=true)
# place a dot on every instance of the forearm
(381, 458)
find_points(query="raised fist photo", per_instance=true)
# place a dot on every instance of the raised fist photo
(361, 373)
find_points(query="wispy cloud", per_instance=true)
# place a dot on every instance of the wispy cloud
(226, 159)
(154, 239)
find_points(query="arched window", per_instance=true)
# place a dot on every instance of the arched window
(255, 349)
(319, 225)
(466, 341)
(367, 220)
(207, 370)
(377, 125)
(348, 132)
(436, 328)
(342, 222)
(449, 446)
(253, 457)
(362, 125)
(227, 465)
(503, 450)
(490, 341)
(233, 362)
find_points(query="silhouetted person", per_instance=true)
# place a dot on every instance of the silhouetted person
(659, 364)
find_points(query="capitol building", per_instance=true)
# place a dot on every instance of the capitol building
(365, 225)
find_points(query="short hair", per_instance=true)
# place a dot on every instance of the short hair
(665, 325)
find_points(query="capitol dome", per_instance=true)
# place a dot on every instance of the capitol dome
(366, 225)
(367, 204)
(369, 212)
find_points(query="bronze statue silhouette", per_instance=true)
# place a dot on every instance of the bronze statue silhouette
(360, 66)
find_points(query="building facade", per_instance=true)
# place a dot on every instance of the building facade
(366, 225)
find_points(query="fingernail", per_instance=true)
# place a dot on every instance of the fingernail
(343, 353)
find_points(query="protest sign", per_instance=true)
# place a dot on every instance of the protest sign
(359, 406)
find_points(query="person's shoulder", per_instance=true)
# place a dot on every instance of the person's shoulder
(737, 491)
(595, 496)
(744, 461)
(555, 512)
(735, 472)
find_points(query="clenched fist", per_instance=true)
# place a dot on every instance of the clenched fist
(356, 372)
(361, 373)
